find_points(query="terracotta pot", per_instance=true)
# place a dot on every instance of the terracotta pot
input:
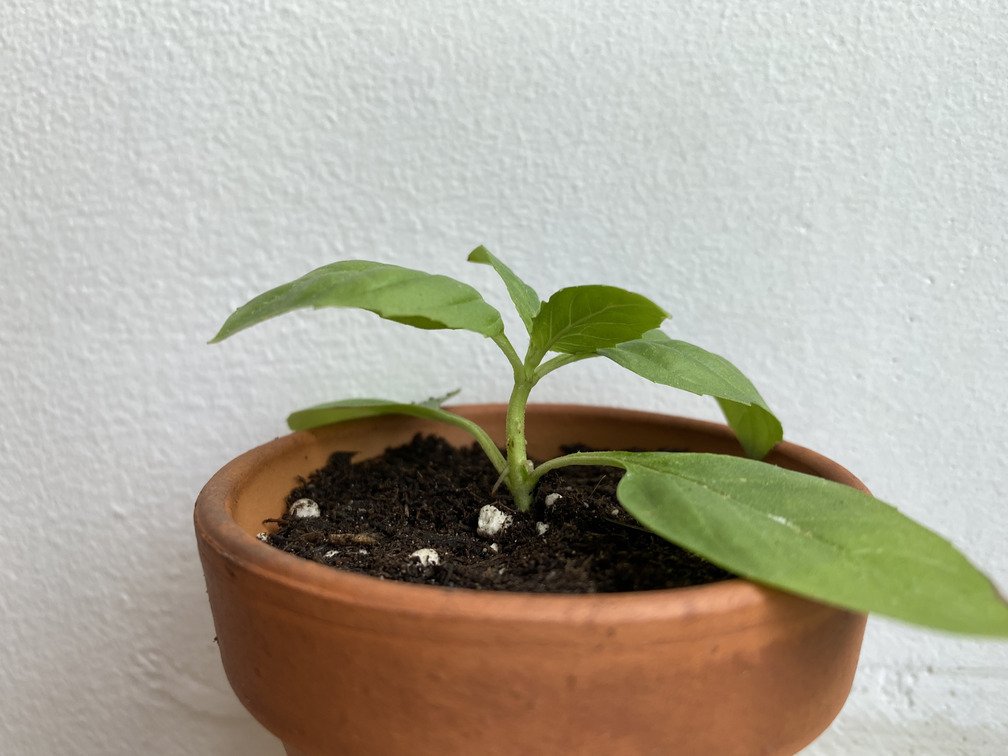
(339, 663)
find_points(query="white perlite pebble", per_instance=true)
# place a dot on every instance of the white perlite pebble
(541, 528)
(427, 557)
(552, 499)
(495, 548)
(305, 508)
(331, 554)
(491, 521)
(264, 537)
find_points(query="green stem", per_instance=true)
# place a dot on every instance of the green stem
(485, 442)
(517, 468)
(600, 458)
(505, 346)
(558, 362)
(518, 474)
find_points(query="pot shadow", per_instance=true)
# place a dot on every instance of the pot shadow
(186, 705)
(863, 734)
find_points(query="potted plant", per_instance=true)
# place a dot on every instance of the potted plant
(336, 662)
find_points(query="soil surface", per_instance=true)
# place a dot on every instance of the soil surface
(374, 515)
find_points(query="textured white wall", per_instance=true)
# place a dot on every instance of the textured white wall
(817, 191)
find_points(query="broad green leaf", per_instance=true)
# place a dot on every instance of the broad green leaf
(808, 536)
(664, 360)
(406, 296)
(755, 426)
(354, 409)
(586, 319)
(525, 299)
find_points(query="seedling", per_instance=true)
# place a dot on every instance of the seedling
(781, 528)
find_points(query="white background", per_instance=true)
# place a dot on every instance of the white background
(817, 191)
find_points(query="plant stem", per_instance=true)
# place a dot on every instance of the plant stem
(558, 362)
(486, 443)
(519, 475)
(504, 344)
(600, 458)
(518, 472)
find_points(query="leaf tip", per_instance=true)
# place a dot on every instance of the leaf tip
(479, 255)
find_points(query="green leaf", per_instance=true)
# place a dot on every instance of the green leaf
(809, 536)
(586, 319)
(755, 426)
(400, 294)
(353, 409)
(525, 299)
(664, 360)
(430, 409)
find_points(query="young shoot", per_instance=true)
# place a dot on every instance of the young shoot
(788, 530)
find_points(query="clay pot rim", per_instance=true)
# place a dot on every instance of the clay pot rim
(217, 530)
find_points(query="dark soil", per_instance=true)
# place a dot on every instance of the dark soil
(427, 494)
